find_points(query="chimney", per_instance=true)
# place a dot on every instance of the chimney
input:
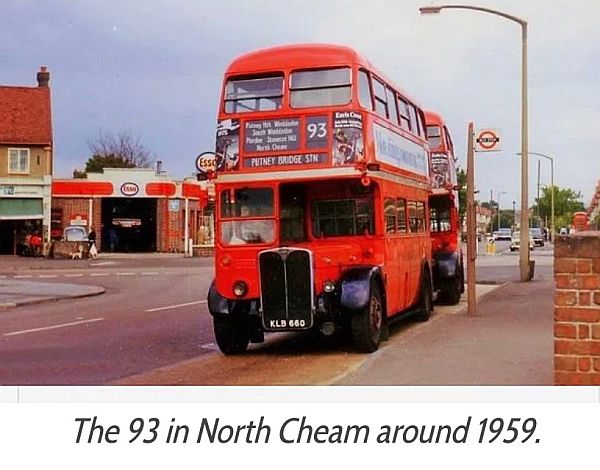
(43, 77)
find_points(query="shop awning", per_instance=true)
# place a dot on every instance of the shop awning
(21, 209)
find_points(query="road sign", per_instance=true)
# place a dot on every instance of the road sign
(487, 140)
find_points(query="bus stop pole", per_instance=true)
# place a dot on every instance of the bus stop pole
(471, 237)
(186, 228)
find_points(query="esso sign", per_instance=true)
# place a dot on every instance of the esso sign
(129, 189)
(206, 163)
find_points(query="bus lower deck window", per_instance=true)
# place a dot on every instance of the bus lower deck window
(342, 217)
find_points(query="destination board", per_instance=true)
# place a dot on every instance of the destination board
(272, 135)
(285, 160)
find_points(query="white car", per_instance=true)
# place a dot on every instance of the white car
(515, 241)
(502, 234)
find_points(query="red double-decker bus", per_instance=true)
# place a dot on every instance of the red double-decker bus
(446, 249)
(322, 186)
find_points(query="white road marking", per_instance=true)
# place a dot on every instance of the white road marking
(73, 275)
(210, 346)
(168, 307)
(53, 327)
(23, 276)
(99, 274)
(3, 277)
(153, 273)
(47, 276)
(102, 263)
(125, 274)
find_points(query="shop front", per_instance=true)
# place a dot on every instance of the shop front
(24, 212)
(131, 210)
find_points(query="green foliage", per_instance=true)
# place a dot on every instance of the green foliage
(566, 203)
(507, 220)
(461, 176)
(96, 163)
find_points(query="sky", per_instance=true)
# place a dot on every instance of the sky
(155, 67)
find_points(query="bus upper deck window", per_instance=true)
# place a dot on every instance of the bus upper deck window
(250, 94)
(324, 87)
(434, 136)
(364, 90)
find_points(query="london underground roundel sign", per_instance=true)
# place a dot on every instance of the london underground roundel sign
(487, 140)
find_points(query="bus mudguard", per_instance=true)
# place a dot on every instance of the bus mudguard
(447, 265)
(355, 286)
(217, 304)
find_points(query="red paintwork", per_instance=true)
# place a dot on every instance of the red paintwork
(580, 221)
(194, 191)
(81, 188)
(400, 256)
(160, 189)
(448, 241)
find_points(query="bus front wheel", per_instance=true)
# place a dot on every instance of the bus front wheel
(367, 325)
(231, 334)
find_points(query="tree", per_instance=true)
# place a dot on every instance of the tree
(507, 220)
(123, 150)
(461, 177)
(566, 203)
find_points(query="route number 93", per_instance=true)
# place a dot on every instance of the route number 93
(317, 130)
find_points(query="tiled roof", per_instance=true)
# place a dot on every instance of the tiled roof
(25, 115)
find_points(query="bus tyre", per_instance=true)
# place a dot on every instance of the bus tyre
(454, 290)
(425, 305)
(231, 334)
(367, 325)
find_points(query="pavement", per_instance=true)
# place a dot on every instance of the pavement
(14, 293)
(509, 342)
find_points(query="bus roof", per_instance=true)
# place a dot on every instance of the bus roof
(433, 119)
(304, 56)
(301, 56)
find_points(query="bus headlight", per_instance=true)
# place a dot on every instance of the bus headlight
(240, 288)
(328, 286)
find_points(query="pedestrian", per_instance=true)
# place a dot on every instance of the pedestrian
(36, 244)
(113, 238)
(91, 238)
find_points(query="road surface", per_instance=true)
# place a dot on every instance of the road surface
(153, 315)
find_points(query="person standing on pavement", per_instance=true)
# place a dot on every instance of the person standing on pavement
(91, 238)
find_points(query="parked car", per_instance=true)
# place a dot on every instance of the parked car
(75, 233)
(538, 236)
(515, 241)
(502, 234)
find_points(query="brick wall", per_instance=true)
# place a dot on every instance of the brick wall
(577, 309)
(169, 227)
(73, 206)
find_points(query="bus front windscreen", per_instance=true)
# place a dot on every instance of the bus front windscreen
(253, 212)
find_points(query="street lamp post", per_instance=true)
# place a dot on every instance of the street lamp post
(552, 227)
(514, 216)
(524, 263)
(499, 194)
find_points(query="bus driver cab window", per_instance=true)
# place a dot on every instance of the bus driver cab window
(253, 212)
